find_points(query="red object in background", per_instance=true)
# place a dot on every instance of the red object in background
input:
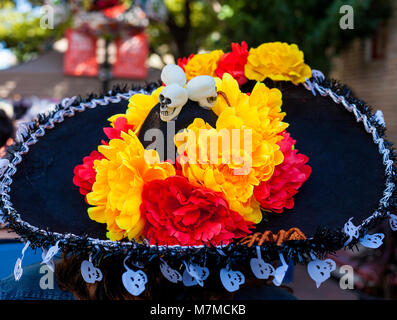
(114, 12)
(131, 57)
(80, 58)
(103, 4)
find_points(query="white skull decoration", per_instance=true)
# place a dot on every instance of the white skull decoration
(372, 241)
(172, 98)
(320, 270)
(393, 222)
(231, 280)
(202, 89)
(194, 274)
(169, 273)
(261, 269)
(172, 73)
(89, 273)
(134, 281)
(351, 230)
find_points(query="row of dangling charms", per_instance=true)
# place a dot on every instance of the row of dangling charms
(135, 280)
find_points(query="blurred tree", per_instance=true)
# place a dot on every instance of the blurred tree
(207, 24)
(312, 24)
(191, 24)
(21, 31)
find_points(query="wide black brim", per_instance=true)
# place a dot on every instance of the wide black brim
(347, 177)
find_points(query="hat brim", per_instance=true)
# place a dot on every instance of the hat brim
(347, 180)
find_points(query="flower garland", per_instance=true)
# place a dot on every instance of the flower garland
(278, 61)
(197, 200)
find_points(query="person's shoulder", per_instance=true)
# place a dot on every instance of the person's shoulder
(38, 282)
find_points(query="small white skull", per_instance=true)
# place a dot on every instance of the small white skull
(169, 273)
(372, 241)
(203, 90)
(393, 222)
(261, 269)
(89, 273)
(172, 73)
(172, 98)
(231, 280)
(198, 274)
(320, 270)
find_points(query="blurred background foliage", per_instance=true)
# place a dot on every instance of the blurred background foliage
(192, 25)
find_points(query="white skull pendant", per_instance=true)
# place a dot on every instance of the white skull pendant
(134, 281)
(169, 273)
(172, 98)
(320, 270)
(202, 89)
(194, 274)
(89, 273)
(261, 269)
(372, 241)
(231, 280)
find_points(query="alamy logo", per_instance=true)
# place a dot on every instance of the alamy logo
(346, 281)
(347, 20)
(47, 280)
(47, 17)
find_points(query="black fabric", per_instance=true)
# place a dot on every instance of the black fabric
(189, 112)
(43, 190)
(347, 177)
(347, 174)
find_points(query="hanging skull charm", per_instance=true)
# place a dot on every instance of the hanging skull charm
(393, 222)
(351, 230)
(172, 98)
(231, 280)
(172, 73)
(202, 89)
(134, 281)
(320, 270)
(89, 273)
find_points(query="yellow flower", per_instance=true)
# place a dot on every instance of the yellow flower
(116, 193)
(277, 61)
(138, 109)
(241, 151)
(203, 64)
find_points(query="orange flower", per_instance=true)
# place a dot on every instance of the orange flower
(203, 64)
(116, 193)
(277, 61)
(241, 151)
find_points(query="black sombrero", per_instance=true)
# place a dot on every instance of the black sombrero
(351, 188)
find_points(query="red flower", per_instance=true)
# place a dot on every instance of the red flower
(120, 124)
(84, 174)
(277, 193)
(183, 62)
(234, 62)
(177, 212)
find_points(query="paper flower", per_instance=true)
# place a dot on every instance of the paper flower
(277, 61)
(235, 167)
(178, 213)
(234, 62)
(278, 192)
(138, 109)
(84, 174)
(116, 193)
(120, 124)
(203, 64)
(182, 62)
